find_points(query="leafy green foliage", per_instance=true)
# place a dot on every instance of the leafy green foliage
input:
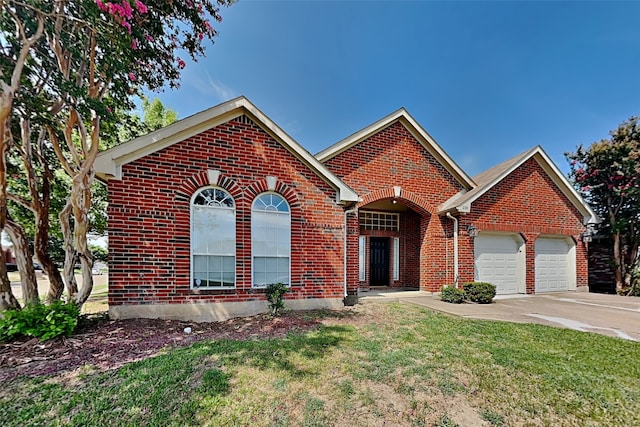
(275, 295)
(607, 175)
(452, 295)
(40, 321)
(99, 253)
(480, 292)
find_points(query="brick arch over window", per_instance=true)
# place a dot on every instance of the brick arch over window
(281, 188)
(188, 187)
(413, 200)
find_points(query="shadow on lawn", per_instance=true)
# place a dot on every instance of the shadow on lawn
(173, 388)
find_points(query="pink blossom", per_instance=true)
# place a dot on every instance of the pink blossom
(126, 25)
(586, 188)
(132, 77)
(574, 162)
(181, 63)
(101, 6)
(148, 38)
(200, 36)
(142, 8)
(134, 44)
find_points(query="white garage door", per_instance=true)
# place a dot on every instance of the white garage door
(552, 264)
(497, 261)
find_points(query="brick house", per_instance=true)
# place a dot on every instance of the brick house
(204, 213)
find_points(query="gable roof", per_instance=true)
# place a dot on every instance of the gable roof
(108, 164)
(421, 135)
(486, 180)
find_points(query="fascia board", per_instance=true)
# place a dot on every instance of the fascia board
(589, 216)
(358, 136)
(346, 193)
(414, 128)
(109, 163)
(434, 148)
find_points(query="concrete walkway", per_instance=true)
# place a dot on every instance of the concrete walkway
(611, 315)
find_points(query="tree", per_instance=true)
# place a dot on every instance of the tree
(607, 173)
(84, 61)
(156, 115)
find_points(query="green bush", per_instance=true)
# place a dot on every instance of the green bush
(480, 292)
(40, 321)
(452, 295)
(275, 295)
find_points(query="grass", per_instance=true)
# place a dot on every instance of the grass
(393, 364)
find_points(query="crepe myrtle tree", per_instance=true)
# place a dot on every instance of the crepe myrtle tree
(607, 173)
(86, 61)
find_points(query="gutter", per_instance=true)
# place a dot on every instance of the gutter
(455, 248)
(346, 214)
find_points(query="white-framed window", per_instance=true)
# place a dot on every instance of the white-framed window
(270, 240)
(370, 220)
(396, 258)
(213, 239)
(362, 255)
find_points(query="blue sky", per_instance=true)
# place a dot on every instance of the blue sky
(487, 80)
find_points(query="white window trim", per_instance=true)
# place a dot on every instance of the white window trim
(378, 228)
(362, 258)
(191, 253)
(253, 285)
(396, 258)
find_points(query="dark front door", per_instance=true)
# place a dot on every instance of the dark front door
(379, 261)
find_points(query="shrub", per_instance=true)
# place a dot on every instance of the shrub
(40, 321)
(452, 295)
(275, 295)
(480, 292)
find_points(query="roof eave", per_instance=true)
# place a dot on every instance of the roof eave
(108, 164)
(415, 129)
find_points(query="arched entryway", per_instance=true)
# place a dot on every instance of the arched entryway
(392, 230)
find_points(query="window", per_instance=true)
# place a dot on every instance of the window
(213, 240)
(396, 258)
(362, 253)
(270, 240)
(379, 221)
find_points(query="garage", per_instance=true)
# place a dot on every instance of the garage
(555, 263)
(499, 259)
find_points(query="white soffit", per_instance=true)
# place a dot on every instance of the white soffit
(108, 164)
(414, 128)
(461, 202)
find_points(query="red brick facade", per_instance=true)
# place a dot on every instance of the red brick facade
(529, 203)
(393, 170)
(149, 224)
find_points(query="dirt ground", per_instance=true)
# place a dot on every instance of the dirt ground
(107, 344)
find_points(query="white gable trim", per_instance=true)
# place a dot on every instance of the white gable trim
(539, 155)
(108, 164)
(416, 131)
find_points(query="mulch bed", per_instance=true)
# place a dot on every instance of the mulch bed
(108, 344)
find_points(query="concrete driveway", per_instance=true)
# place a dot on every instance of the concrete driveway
(612, 315)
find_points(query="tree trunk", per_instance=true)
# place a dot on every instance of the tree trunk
(70, 256)
(81, 202)
(7, 300)
(618, 263)
(24, 260)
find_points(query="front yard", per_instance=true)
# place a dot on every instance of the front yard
(371, 365)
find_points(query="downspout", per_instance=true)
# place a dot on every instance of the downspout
(455, 248)
(346, 214)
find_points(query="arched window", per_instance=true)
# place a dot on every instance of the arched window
(271, 240)
(213, 239)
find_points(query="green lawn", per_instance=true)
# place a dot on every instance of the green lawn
(394, 364)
